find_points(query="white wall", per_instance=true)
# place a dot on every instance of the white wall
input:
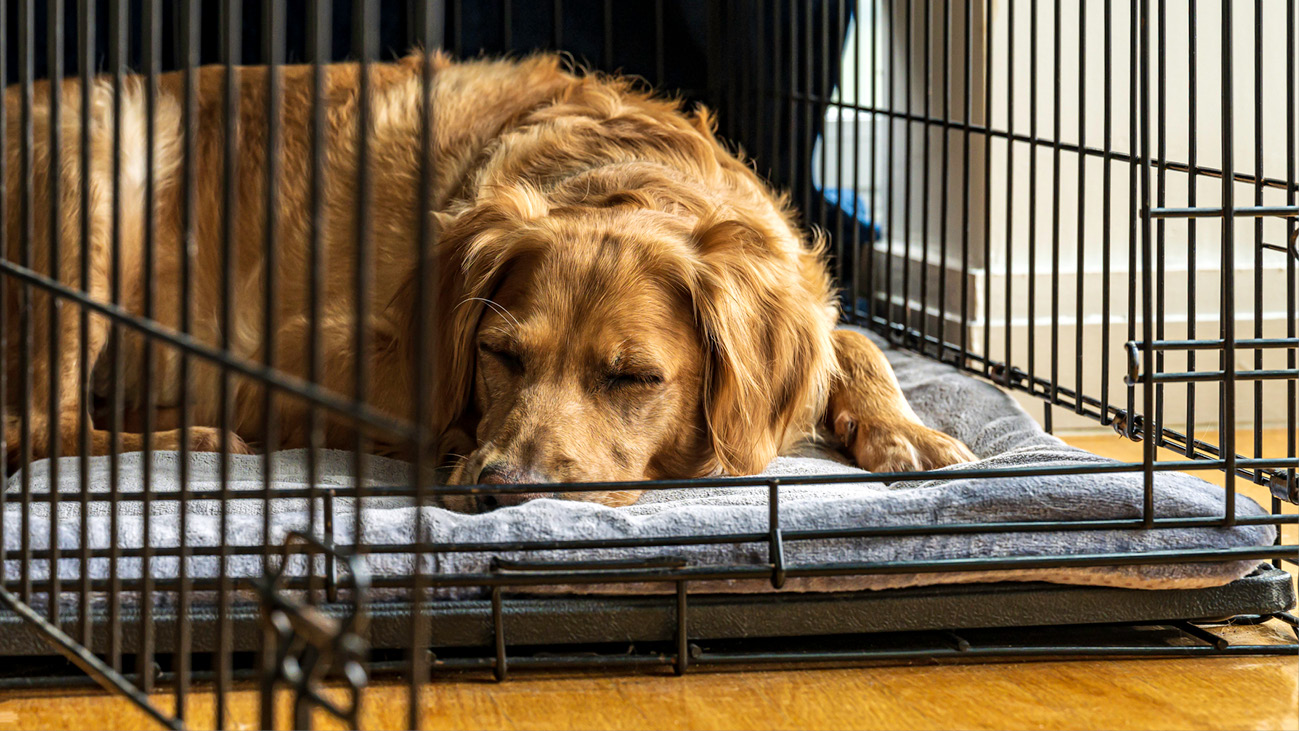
(1010, 239)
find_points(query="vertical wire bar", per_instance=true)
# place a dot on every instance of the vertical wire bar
(682, 629)
(152, 32)
(273, 37)
(28, 140)
(320, 28)
(507, 25)
(968, 100)
(1010, 189)
(116, 368)
(719, 60)
(501, 668)
(944, 179)
(1292, 280)
(855, 260)
(367, 28)
(889, 157)
(660, 72)
(737, 90)
(927, 74)
(841, 33)
(775, 545)
(777, 170)
(1161, 184)
(606, 48)
(1258, 228)
(188, 253)
(268, 674)
(822, 108)
(1107, 159)
(458, 30)
(230, 200)
(429, 22)
(1227, 424)
(429, 19)
(557, 29)
(795, 175)
(872, 162)
(1147, 272)
(987, 192)
(777, 100)
(809, 104)
(1134, 203)
(906, 180)
(1032, 203)
(1080, 294)
(4, 289)
(54, 173)
(1192, 184)
(86, 25)
(1057, 128)
(758, 108)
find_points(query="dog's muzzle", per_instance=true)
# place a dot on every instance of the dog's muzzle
(502, 474)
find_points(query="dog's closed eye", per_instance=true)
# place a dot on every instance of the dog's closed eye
(634, 379)
(630, 370)
(505, 355)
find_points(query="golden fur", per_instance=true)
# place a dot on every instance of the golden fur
(618, 297)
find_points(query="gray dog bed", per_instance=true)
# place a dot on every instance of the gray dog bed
(991, 423)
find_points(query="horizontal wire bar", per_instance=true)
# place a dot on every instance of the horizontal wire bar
(985, 652)
(1112, 155)
(763, 571)
(1281, 374)
(715, 539)
(980, 473)
(666, 659)
(707, 658)
(840, 656)
(1247, 343)
(760, 572)
(1219, 212)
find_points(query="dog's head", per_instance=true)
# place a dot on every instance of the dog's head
(619, 342)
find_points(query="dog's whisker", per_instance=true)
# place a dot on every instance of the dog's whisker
(495, 306)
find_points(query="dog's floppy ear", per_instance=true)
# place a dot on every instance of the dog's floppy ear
(763, 308)
(475, 248)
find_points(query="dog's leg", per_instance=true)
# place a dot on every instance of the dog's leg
(68, 411)
(68, 414)
(869, 414)
(63, 421)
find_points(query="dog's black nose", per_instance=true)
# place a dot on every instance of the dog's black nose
(499, 474)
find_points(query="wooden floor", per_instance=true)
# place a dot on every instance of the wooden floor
(1208, 693)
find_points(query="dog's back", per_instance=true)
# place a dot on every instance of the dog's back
(139, 272)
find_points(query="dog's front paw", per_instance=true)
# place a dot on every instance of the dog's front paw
(206, 439)
(900, 446)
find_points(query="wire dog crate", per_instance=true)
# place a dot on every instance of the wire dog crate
(1004, 185)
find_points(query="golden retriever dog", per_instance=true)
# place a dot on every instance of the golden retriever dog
(618, 295)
